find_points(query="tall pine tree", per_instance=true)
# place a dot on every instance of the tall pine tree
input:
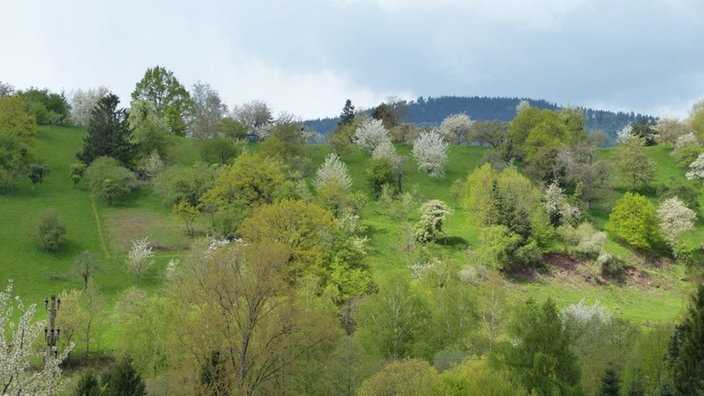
(347, 114)
(108, 133)
(610, 382)
(687, 350)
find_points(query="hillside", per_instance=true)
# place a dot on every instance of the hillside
(429, 112)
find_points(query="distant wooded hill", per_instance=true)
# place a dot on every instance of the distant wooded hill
(428, 112)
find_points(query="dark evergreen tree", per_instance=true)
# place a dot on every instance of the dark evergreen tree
(610, 383)
(347, 114)
(542, 358)
(123, 380)
(645, 128)
(687, 350)
(88, 385)
(108, 133)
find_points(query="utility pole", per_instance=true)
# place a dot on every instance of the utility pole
(51, 333)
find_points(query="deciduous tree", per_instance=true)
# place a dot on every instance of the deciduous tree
(256, 115)
(674, 218)
(108, 180)
(633, 220)
(83, 102)
(171, 100)
(370, 134)
(333, 170)
(456, 128)
(150, 130)
(433, 215)
(402, 377)
(51, 231)
(430, 152)
(633, 163)
(208, 110)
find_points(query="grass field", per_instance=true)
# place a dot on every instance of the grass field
(107, 231)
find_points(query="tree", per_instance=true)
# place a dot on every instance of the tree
(18, 356)
(687, 349)
(634, 164)
(83, 103)
(433, 215)
(233, 302)
(170, 99)
(541, 357)
(208, 111)
(670, 129)
(582, 168)
(37, 172)
(256, 115)
(380, 172)
(107, 179)
(140, 257)
(610, 383)
(674, 218)
(150, 130)
(123, 380)
(696, 168)
(456, 128)
(108, 133)
(347, 114)
(633, 220)
(17, 131)
(51, 231)
(430, 152)
(489, 133)
(371, 134)
(645, 128)
(305, 228)
(402, 378)
(286, 142)
(180, 182)
(6, 89)
(46, 107)
(85, 266)
(88, 385)
(333, 170)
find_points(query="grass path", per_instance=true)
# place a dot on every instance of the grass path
(99, 227)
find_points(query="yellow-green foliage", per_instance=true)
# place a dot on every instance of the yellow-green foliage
(252, 178)
(402, 378)
(633, 220)
(475, 377)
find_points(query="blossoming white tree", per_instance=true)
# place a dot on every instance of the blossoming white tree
(140, 257)
(430, 151)
(456, 127)
(18, 353)
(333, 170)
(696, 168)
(433, 215)
(370, 134)
(674, 218)
(83, 102)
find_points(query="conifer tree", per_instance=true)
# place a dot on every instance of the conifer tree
(687, 350)
(123, 380)
(610, 382)
(108, 133)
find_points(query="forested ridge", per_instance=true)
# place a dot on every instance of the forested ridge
(430, 112)
(185, 247)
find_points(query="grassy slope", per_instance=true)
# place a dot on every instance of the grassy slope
(38, 274)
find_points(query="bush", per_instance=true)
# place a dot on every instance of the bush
(51, 231)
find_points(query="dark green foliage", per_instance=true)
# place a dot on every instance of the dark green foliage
(542, 358)
(123, 380)
(51, 231)
(231, 128)
(347, 114)
(37, 172)
(687, 350)
(88, 385)
(380, 171)
(645, 129)
(181, 182)
(108, 133)
(386, 114)
(218, 150)
(46, 107)
(213, 375)
(610, 383)
(14, 156)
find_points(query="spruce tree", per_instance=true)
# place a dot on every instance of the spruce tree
(108, 133)
(687, 350)
(610, 382)
(636, 388)
(347, 114)
(123, 380)
(88, 385)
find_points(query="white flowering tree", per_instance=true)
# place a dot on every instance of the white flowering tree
(696, 168)
(19, 355)
(558, 207)
(433, 215)
(430, 151)
(456, 127)
(83, 102)
(674, 218)
(333, 170)
(140, 257)
(370, 134)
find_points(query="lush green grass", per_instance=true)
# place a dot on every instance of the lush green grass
(109, 230)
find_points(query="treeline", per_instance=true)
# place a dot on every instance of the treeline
(430, 112)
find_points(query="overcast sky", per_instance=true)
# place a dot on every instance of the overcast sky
(307, 56)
